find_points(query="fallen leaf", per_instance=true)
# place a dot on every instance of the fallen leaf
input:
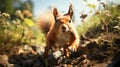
(29, 22)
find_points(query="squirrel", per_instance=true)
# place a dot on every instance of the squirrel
(60, 32)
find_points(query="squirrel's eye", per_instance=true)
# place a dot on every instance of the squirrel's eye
(69, 21)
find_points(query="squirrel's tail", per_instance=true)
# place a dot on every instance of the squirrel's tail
(45, 21)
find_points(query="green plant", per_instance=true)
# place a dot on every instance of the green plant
(19, 31)
(103, 21)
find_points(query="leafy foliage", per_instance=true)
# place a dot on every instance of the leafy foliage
(103, 21)
(19, 31)
(6, 6)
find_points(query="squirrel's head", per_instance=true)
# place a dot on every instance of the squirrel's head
(63, 21)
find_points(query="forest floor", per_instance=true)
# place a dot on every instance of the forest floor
(93, 52)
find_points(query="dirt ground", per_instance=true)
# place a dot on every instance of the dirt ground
(93, 52)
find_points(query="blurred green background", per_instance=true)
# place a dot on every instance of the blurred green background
(18, 22)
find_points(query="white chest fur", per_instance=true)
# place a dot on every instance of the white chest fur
(62, 39)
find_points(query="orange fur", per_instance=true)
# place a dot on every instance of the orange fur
(62, 33)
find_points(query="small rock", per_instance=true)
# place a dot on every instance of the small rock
(28, 63)
(84, 63)
(3, 60)
(57, 54)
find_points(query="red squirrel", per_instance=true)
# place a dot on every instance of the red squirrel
(62, 33)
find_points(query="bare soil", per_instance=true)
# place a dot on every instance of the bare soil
(93, 52)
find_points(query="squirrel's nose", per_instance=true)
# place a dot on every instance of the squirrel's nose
(63, 29)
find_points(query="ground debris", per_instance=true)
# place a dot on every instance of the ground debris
(93, 52)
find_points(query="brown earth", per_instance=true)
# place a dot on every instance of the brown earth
(103, 51)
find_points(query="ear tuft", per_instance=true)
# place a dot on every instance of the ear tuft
(55, 12)
(70, 12)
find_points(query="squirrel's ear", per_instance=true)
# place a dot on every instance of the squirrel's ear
(70, 12)
(55, 12)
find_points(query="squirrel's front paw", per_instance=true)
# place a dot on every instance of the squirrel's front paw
(73, 48)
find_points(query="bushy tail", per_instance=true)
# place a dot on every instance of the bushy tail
(45, 21)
